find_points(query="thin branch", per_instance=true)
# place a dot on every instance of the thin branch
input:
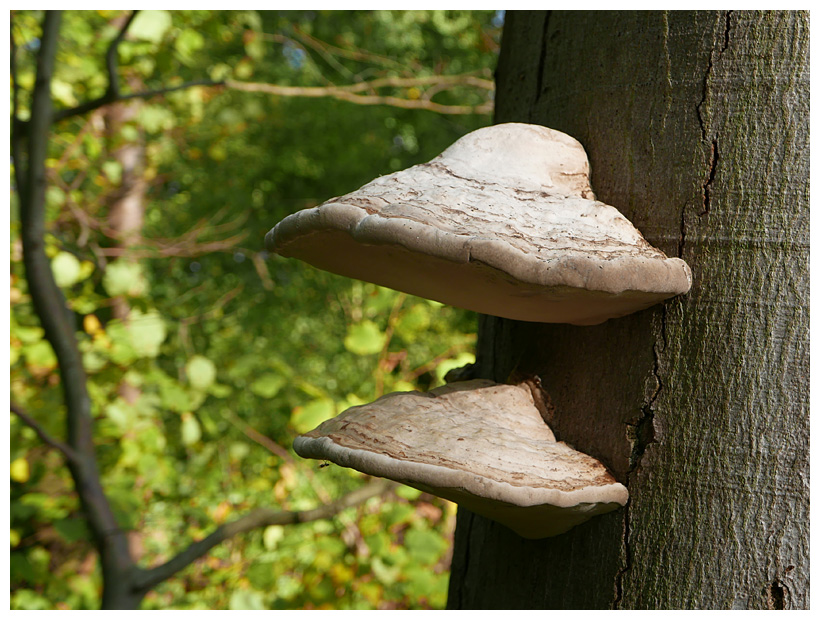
(217, 307)
(254, 435)
(352, 54)
(256, 519)
(262, 270)
(47, 439)
(345, 93)
(146, 94)
(349, 93)
(112, 58)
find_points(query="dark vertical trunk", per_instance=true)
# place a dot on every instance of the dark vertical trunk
(697, 129)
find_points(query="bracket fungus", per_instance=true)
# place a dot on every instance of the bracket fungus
(481, 444)
(503, 222)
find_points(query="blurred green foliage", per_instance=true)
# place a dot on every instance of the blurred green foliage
(231, 352)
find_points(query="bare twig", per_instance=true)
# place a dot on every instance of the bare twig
(352, 92)
(352, 54)
(254, 435)
(112, 58)
(89, 106)
(47, 439)
(257, 519)
(345, 93)
(262, 270)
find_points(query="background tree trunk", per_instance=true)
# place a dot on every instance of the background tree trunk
(697, 129)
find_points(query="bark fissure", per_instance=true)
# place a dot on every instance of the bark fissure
(776, 595)
(700, 110)
(640, 434)
(682, 234)
(714, 56)
(619, 577)
(707, 186)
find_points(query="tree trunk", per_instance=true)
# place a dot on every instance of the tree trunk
(697, 129)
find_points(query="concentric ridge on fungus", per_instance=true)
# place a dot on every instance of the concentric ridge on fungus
(503, 222)
(478, 443)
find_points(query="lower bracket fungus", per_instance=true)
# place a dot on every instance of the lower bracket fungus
(478, 443)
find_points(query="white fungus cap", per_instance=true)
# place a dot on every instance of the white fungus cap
(481, 444)
(503, 222)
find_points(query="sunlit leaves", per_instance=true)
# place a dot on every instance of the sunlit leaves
(147, 332)
(364, 338)
(190, 430)
(268, 385)
(66, 269)
(125, 278)
(307, 417)
(150, 25)
(201, 372)
(19, 470)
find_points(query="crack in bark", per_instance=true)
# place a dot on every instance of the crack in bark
(539, 78)
(713, 57)
(640, 435)
(682, 236)
(707, 186)
(619, 577)
(776, 595)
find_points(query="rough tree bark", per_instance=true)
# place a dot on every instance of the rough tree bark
(697, 128)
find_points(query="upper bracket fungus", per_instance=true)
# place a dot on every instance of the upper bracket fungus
(477, 443)
(503, 222)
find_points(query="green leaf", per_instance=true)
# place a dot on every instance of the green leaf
(19, 470)
(156, 119)
(27, 335)
(272, 535)
(190, 430)
(308, 417)
(124, 278)
(121, 414)
(415, 320)
(63, 92)
(384, 573)
(408, 493)
(219, 390)
(268, 385)
(424, 546)
(188, 43)
(113, 170)
(147, 332)
(150, 25)
(364, 338)
(201, 372)
(41, 355)
(66, 268)
(262, 575)
(72, 529)
(173, 396)
(246, 599)
(446, 366)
